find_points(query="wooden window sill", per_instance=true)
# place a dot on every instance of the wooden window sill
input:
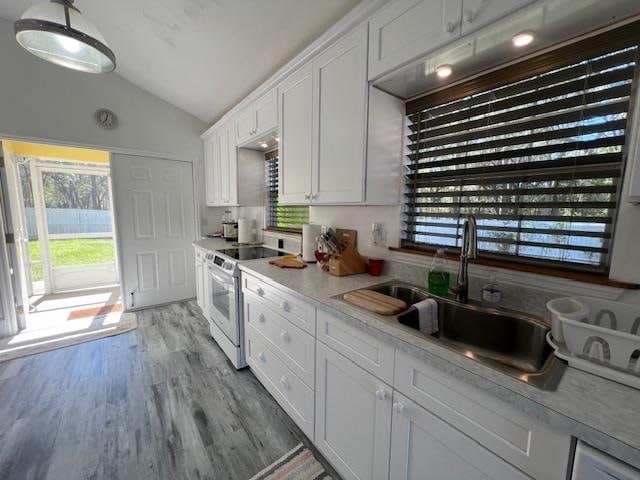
(585, 277)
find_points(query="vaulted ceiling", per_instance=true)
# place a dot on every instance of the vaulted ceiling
(202, 56)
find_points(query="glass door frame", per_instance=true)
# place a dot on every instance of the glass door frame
(38, 167)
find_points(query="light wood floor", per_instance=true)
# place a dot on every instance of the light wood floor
(161, 402)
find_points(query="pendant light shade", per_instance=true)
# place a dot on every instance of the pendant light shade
(57, 32)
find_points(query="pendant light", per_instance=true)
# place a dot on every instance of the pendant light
(56, 31)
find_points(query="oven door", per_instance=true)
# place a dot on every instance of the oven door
(223, 303)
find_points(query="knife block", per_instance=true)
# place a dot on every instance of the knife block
(348, 262)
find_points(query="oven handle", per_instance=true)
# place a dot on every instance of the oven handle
(227, 281)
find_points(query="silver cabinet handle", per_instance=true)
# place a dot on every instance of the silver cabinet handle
(398, 407)
(469, 15)
(260, 292)
(450, 27)
(307, 196)
(285, 306)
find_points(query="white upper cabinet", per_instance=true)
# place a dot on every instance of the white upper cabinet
(258, 118)
(265, 112)
(323, 126)
(478, 13)
(221, 167)
(407, 29)
(340, 129)
(244, 125)
(211, 163)
(295, 123)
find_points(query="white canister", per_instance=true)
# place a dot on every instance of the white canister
(310, 233)
(245, 230)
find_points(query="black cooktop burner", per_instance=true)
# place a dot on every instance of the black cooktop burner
(251, 253)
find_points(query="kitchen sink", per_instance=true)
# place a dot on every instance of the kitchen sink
(508, 341)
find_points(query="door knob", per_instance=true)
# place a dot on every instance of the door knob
(398, 407)
(262, 318)
(260, 292)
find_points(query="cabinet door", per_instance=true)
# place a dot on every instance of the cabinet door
(407, 29)
(295, 119)
(353, 417)
(340, 92)
(200, 284)
(232, 168)
(266, 112)
(424, 446)
(478, 13)
(223, 168)
(245, 126)
(211, 164)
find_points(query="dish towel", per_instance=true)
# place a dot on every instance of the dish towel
(427, 315)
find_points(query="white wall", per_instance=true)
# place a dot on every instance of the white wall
(41, 101)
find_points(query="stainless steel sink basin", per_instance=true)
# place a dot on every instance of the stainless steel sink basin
(508, 341)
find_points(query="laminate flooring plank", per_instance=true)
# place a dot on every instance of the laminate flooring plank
(159, 402)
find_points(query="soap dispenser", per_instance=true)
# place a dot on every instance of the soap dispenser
(491, 292)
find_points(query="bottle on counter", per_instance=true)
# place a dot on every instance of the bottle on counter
(438, 276)
(491, 292)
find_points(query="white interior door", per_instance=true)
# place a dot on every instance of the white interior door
(155, 225)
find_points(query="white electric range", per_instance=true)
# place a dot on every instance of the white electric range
(224, 297)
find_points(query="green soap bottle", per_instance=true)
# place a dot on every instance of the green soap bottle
(438, 276)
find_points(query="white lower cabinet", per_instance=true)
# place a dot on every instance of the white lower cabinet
(423, 446)
(353, 417)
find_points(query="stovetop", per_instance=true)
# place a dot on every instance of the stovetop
(251, 253)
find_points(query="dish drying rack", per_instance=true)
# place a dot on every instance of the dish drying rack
(598, 336)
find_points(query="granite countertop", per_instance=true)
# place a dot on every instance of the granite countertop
(603, 413)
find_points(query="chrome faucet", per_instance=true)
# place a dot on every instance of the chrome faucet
(468, 250)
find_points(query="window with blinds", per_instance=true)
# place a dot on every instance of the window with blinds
(537, 159)
(281, 217)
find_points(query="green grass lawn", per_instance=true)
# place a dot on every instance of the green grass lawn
(75, 251)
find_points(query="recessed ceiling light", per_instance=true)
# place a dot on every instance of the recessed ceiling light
(56, 31)
(264, 144)
(444, 71)
(277, 139)
(522, 39)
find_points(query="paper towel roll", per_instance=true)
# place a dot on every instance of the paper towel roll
(245, 230)
(310, 233)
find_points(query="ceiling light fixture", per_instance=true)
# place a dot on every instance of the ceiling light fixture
(56, 31)
(444, 71)
(522, 39)
(264, 144)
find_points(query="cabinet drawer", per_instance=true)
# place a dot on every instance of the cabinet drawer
(372, 354)
(296, 398)
(591, 464)
(293, 309)
(535, 448)
(294, 346)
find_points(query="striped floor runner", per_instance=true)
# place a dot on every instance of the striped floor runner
(298, 464)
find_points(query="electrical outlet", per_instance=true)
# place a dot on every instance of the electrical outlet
(378, 234)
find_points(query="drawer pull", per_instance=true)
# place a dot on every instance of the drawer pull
(381, 394)
(285, 382)
(398, 407)
(285, 306)
(262, 318)
(285, 336)
(260, 292)
(450, 27)
(261, 357)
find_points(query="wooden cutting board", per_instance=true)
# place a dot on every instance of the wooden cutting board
(376, 302)
(288, 262)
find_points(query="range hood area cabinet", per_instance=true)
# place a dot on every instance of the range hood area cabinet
(224, 164)
(407, 29)
(323, 124)
(258, 118)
